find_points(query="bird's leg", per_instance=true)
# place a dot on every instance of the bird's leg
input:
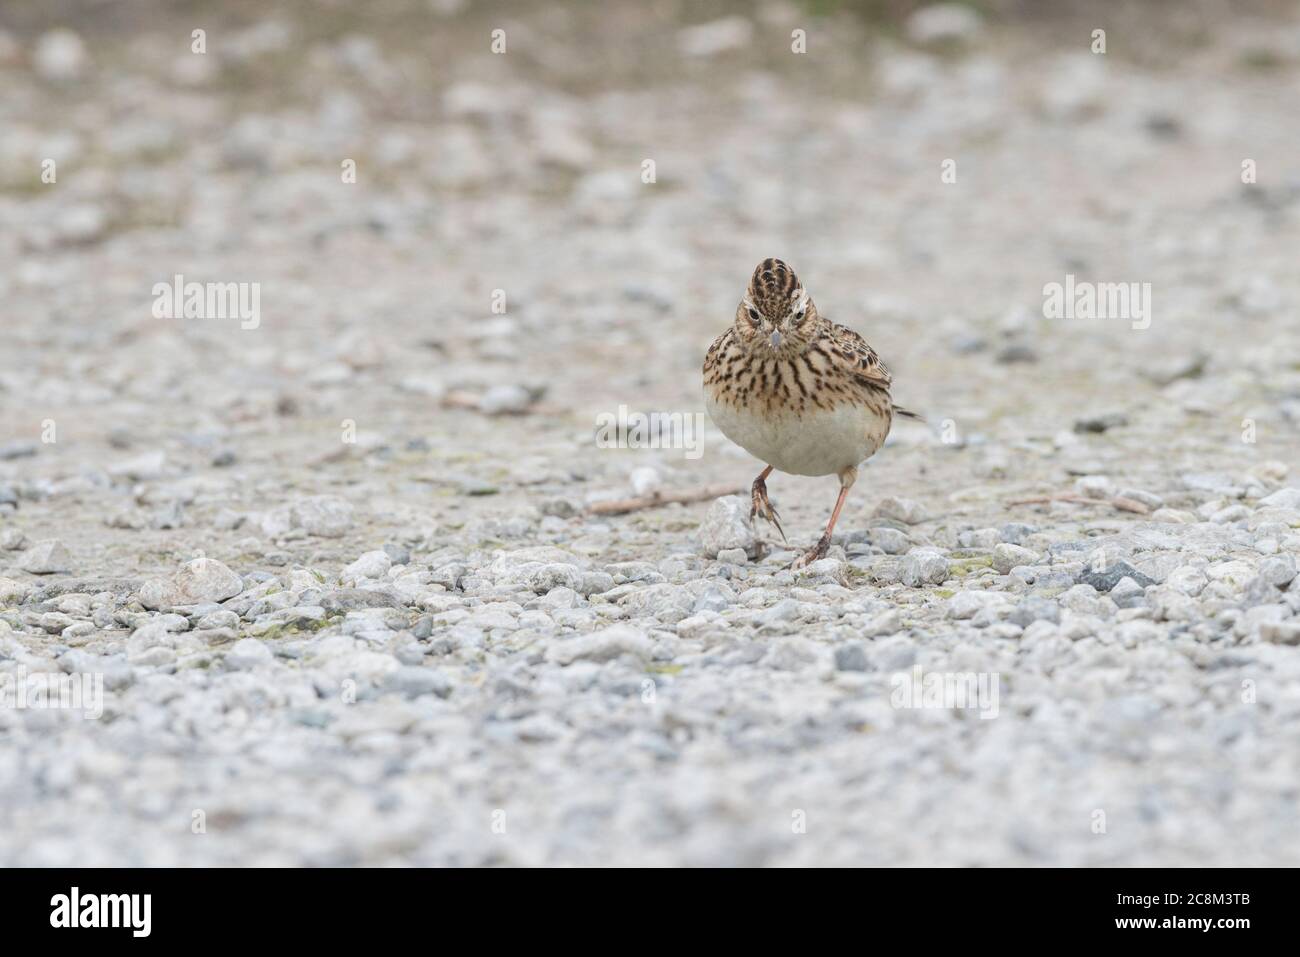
(761, 505)
(818, 551)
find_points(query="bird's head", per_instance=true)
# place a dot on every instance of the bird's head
(776, 316)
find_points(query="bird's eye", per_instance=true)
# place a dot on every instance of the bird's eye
(753, 314)
(798, 316)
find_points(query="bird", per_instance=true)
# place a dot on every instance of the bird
(804, 395)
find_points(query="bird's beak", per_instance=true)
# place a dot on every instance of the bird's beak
(776, 340)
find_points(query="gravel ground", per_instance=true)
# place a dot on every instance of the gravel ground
(336, 567)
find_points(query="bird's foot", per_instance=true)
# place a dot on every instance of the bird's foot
(816, 553)
(761, 506)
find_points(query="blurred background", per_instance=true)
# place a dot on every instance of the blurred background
(522, 172)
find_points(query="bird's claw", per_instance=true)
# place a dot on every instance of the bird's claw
(761, 506)
(816, 553)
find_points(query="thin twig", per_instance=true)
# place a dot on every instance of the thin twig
(704, 493)
(1130, 505)
(460, 399)
(1119, 502)
(464, 399)
(1061, 497)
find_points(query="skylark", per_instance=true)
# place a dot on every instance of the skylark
(797, 391)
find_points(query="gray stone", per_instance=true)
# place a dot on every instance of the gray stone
(715, 37)
(1034, 609)
(851, 657)
(147, 467)
(1007, 556)
(326, 516)
(1016, 532)
(790, 653)
(895, 654)
(1148, 499)
(49, 557)
(1113, 572)
(1103, 422)
(979, 538)
(943, 24)
(555, 575)
(1084, 599)
(594, 583)
(449, 576)
(202, 580)
(1278, 571)
(901, 510)
(1216, 483)
(247, 653)
(1282, 498)
(604, 645)
(400, 554)
(206, 579)
(414, 681)
(1128, 594)
(665, 602)
(1095, 486)
(372, 565)
(923, 566)
(890, 540)
(218, 619)
(508, 399)
(713, 598)
(786, 610)
(117, 673)
(349, 599)
(1188, 580)
(1259, 591)
(726, 526)
(54, 622)
(60, 56)
(965, 605)
(17, 450)
(1232, 513)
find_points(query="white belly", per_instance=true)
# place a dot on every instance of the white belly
(819, 442)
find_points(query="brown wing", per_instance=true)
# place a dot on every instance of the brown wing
(867, 368)
(851, 354)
